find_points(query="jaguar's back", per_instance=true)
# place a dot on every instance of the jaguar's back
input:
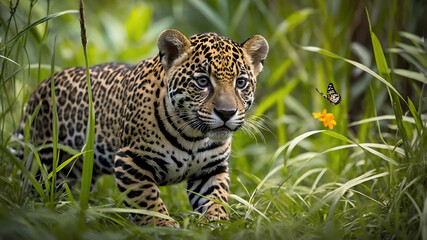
(107, 82)
(166, 120)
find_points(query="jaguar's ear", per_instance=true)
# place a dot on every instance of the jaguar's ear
(172, 45)
(256, 49)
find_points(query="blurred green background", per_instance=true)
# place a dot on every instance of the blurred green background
(379, 194)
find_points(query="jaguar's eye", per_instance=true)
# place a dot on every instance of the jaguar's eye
(202, 82)
(241, 83)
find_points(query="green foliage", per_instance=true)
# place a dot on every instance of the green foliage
(364, 179)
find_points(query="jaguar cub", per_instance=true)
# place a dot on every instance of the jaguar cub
(166, 120)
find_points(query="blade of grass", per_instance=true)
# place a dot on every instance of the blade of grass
(385, 73)
(130, 210)
(64, 164)
(239, 14)
(292, 21)
(34, 151)
(278, 95)
(210, 14)
(297, 140)
(33, 25)
(354, 63)
(28, 125)
(419, 213)
(367, 147)
(381, 118)
(419, 64)
(306, 174)
(414, 38)
(25, 171)
(70, 195)
(279, 73)
(90, 135)
(294, 142)
(337, 193)
(247, 204)
(411, 74)
(271, 173)
(424, 220)
(363, 146)
(118, 221)
(59, 146)
(417, 117)
(55, 154)
(10, 60)
(317, 180)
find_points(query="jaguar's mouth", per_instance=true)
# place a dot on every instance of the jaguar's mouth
(220, 133)
(223, 128)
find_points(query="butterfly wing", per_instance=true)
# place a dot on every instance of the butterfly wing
(332, 95)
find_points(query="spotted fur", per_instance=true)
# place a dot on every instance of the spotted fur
(166, 120)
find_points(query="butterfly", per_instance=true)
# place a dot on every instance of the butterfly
(331, 95)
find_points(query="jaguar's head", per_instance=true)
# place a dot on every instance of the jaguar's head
(211, 79)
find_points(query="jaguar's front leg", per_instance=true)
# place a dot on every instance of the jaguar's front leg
(135, 175)
(214, 185)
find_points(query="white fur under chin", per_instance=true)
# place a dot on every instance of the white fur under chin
(219, 135)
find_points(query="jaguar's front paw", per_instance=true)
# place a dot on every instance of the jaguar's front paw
(160, 222)
(163, 222)
(215, 212)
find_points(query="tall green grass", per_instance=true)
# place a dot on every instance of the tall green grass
(90, 135)
(364, 179)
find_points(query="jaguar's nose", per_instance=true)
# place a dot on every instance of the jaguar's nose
(225, 114)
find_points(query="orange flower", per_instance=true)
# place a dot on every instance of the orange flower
(328, 119)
